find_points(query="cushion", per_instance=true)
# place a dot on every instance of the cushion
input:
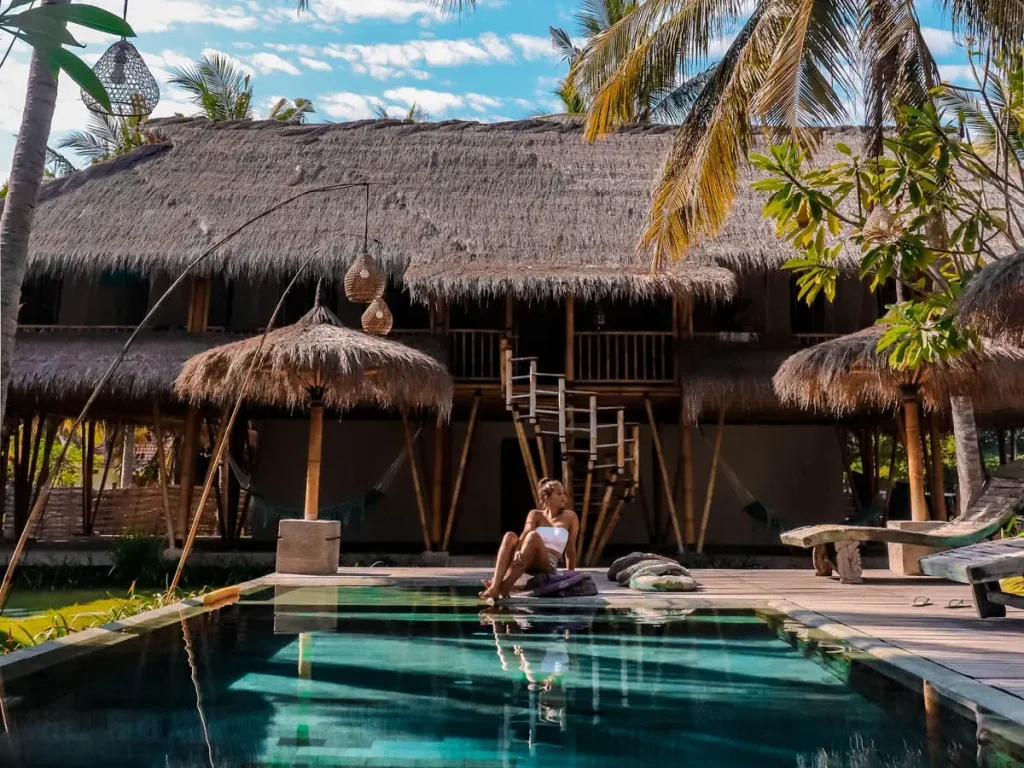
(632, 559)
(561, 584)
(659, 567)
(663, 583)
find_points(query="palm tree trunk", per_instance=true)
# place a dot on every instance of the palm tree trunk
(969, 468)
(16, 222)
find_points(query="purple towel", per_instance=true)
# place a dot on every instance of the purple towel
(561, 584)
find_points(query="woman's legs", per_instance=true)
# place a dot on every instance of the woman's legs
(505, 554)
(532, 556)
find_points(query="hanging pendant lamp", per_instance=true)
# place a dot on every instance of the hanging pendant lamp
(131, 87)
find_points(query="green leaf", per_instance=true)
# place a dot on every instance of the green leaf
(78, 71)
(91, 17)
(38, 24)
(844, 149)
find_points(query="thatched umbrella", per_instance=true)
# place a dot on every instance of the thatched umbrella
(843, 374)
(317, 363)
(993, 301)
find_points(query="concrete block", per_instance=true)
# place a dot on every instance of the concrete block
(903, 557)
(308, 547)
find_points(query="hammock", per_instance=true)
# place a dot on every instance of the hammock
(267, 513)
(758, 511)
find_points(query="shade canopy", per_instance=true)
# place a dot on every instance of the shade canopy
(993, 301)
(844, 374)
(318, 356)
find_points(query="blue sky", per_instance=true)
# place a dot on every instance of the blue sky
(493, 64)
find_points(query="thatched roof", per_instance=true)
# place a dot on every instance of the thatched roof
(350, 367)
(848, 373)
(993, 301)
(467, 207)
(737, 377)
(59, 364)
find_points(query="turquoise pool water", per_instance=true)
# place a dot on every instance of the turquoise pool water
(382, 676)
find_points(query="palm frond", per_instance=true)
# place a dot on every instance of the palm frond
(380, 110)
(58, 164)
(562, 43)
(674, 104)
(1000, 22)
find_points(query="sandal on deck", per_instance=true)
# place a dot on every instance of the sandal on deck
(959, 602)
(921, 601)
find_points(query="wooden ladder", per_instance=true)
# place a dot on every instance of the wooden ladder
(595, 442)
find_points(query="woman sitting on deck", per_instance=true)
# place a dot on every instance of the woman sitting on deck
(549, 533)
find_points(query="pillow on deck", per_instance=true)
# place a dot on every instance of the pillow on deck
(632, 559)
(561, 584)
(663, 583)
(652, 567)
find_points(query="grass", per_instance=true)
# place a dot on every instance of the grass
(34, 611)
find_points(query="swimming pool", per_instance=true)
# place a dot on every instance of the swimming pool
(386, 676)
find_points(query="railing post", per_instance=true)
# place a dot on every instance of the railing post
(533, 392)
(593, 427)
(508, 377)
(570, 336)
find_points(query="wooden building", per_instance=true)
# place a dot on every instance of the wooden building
(512, 240)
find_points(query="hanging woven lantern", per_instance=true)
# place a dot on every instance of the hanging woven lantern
(364, 281)
(880, 226)
(377, 318)
(131, 87)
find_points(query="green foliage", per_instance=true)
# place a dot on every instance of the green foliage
(46, 29)
(927, 214)
(285, 110)
(105, 137)
(137, 557)
(217, 87)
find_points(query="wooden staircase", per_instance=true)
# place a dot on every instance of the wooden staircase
(598, 450)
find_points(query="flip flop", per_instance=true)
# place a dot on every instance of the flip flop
(921, 602)
(959, 602)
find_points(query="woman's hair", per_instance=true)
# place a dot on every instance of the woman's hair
(546, 487)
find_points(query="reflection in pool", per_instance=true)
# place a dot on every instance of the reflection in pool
(381, 676)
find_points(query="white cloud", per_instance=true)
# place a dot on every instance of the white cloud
(300, 48)
(319, 66)
(344, 105)
(435, 102)
(271, 62)
(956, 73)
(156, 16)
(533, 47)
(480, 103)
(524, 103)
(244, 46)
(354, 11)
(383, 61)
(941, 42)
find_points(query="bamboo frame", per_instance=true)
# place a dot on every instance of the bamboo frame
(161, 461)
(463, 459)
(710, 493)
(421, 502)
(524, 448)
(664, 473)
(915, 463)
(311, 502)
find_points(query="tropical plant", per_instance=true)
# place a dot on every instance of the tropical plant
(137, 557)
(217, 86)
(285, 110)
(415, 113)
(45, 29)
(105, 136)
(57, 164)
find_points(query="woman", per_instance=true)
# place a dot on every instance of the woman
(549, 534)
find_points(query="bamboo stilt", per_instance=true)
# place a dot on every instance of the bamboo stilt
(437, 484)
(542, 453)
(938, 481)
(524, 447)
(311, 504)
(664, 474)
(688, 506)
(463, 459)
(421, 502)
(609, 529)
(710, 493)
(189, 451)
(915, 462)
(103, 477)
(88, 457)
(605, 501)
(162, 468)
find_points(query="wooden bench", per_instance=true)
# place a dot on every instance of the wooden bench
(982, 566)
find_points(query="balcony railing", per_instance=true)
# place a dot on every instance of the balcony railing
(810, 339)
(475, 354)
(624, 356)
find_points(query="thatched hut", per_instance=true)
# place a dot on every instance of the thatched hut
(993, 301)
(849, 373)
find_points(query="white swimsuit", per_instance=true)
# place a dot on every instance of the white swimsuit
(555, 540)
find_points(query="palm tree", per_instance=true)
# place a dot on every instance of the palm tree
(285, 110)
(415, 113)
(217, 86)
(105, 136)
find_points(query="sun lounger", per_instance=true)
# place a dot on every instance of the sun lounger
(982, 566)
(1002, 498)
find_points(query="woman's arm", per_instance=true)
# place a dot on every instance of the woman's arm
(570, 548)
(530, 525)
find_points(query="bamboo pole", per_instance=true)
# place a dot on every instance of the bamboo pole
(570, 337)
(524, 447)
(311, 505)
(710, 493)
(162, 466)
(542, 453)
(588, 487)
(609, 529)
(437, 484)
(88, 451)
(939, 510)
(463, 459)
(664, 474)
(686, 439)
(421, 502)
(103, 477)
(915, 462)
(189, 452)
(598, 526)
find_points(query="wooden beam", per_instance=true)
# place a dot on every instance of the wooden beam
(106, 471)
(463, 459)
(88, 459)
(161, 461)
(710, 493)
(938, 485)
(609, 489)
(421, 502)
(542, 453)
(664, 474)
(524, 448)
(609, 529)
(915, 461)
(588, 487)
(189, 453)
(570, 337)
(311, 505)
